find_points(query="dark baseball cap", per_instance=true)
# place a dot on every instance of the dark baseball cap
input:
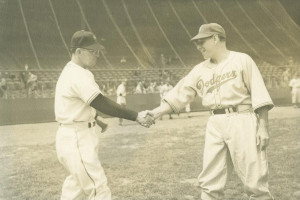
(207, 30)
(85, 39)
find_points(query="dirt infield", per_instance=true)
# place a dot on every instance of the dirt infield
(162, 162)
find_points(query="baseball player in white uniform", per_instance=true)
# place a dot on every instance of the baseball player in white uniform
(232, 87)
(295, 86)
(188, 110)
(77, 97)
(121, 97)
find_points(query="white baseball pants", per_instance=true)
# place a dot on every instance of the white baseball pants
(77, 151)
(233, 137)
(296, 95)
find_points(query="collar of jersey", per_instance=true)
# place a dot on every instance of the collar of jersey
(75, 65)
(213, 65)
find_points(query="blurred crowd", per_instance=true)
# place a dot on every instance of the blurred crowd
(27, 83)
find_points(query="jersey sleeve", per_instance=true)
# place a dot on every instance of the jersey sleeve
(183, 93)
(86, 87)
(254, 82)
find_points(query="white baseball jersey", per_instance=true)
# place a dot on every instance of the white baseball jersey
(121, 94)
(75, 90)
(295, 84)
(235, 81)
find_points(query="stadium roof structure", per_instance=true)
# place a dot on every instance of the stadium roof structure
(38, 33)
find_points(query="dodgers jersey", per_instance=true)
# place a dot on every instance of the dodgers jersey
(75, 90)
(234, 81)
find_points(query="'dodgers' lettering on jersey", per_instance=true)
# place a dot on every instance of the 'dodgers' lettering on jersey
(216, 81)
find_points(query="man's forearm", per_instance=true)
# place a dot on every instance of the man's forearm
(161, 110)
(109, 107)
(263, 117)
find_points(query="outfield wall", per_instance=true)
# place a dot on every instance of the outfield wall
(23, 111)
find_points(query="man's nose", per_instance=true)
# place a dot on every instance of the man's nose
(199, 47)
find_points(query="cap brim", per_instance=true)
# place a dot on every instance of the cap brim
(200, 36)
(95, 46)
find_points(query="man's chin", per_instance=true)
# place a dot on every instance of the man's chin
(205, 56)
(93, 65)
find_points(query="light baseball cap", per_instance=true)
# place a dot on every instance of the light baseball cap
(207, 30)
(85, 39)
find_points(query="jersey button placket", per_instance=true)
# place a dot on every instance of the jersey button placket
(217, 92)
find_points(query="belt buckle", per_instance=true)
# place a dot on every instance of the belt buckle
(227, 110)
(212, 112)
(91, 124)
(230, 110)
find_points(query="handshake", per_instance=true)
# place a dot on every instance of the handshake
(145, 118)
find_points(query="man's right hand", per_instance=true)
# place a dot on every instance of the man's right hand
(145, 118)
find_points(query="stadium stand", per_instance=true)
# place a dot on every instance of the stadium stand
(140, 31)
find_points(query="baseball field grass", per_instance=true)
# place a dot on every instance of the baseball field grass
(159, 163)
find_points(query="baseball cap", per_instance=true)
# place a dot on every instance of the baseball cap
(85, 39)
(207, 30)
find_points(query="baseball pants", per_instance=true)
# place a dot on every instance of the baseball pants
(296, 96)
(231, 139)
(77, 151)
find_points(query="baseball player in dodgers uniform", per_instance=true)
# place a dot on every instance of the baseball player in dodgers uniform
(232, 87)
(77, 97)
(295, 86)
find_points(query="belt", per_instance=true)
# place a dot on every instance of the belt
(239, 108)
(89, 124)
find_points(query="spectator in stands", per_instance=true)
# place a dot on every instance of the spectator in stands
(3, 87)
(163, 92)
(290, 61)
(136, 73)
(165, 74)
(139, 88)
(24, 77)
(123, 60)
(121, 97)
(295, 88)
(158, 87)
(32, 84)
(152, 87)
(286, 76)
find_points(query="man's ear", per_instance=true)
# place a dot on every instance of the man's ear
(216, 38)
(78, 51)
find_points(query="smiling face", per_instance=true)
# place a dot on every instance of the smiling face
(206, 46)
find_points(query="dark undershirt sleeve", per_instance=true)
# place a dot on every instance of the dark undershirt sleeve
(109, 107)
